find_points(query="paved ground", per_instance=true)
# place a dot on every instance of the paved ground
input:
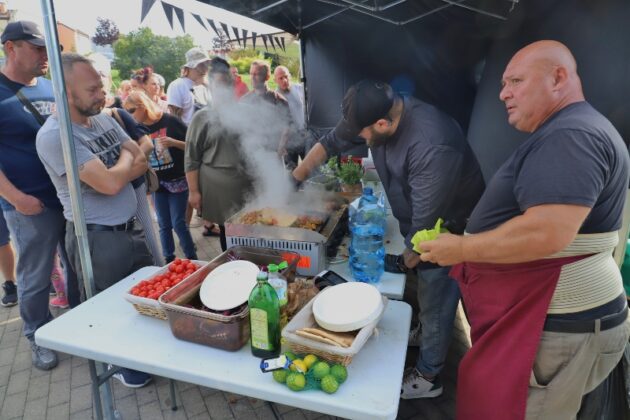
(65, 392)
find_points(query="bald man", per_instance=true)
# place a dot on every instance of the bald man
(548, 315)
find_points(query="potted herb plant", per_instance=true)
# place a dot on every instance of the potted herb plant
(350, 173)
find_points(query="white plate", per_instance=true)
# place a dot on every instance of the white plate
(347, 307)
(228, 285)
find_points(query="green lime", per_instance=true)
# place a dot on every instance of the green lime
(310, 360)
(329, 384)
(280, 375)
(290, 355)
(339, 372)
(320, 369)
(296, 381)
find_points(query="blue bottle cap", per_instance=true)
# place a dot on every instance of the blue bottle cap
(368, 191)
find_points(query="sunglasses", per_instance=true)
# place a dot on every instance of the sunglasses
(131, 110)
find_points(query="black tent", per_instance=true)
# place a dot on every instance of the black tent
(450, 53)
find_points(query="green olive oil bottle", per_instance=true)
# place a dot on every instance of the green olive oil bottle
(264, 319)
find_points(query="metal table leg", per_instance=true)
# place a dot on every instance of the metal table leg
(173, 395)
(104, 408)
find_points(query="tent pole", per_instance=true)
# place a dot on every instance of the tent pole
(70, 162)
(67, 144)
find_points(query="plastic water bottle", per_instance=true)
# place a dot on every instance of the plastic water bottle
(367, 228)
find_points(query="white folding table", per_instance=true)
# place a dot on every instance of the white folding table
(108, 329)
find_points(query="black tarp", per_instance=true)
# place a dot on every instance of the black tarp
(455, 58)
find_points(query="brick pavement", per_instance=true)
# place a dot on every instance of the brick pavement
(65, 393)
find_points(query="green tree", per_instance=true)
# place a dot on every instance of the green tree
(143, 48)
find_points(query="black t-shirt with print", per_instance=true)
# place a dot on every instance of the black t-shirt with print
(169, 165)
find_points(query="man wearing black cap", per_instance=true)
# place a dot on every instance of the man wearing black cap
(428, 172)
(29, 200)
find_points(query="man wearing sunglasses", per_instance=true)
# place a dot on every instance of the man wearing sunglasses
(428, 172)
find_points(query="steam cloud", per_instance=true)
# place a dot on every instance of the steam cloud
(260, 127)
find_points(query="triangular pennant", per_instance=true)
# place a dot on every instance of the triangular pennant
(180, 16)
(254, 39)
(225, 30)
(146, 6)
(279, 44)
(271, 42)
(244, 38)
(264, 38)
(200, 20)
(213, 26)
(283, 46)
(238, 37)
(168, 10)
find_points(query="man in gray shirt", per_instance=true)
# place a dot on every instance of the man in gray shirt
(428, 172)
(107, 161)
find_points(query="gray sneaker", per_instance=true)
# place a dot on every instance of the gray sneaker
(415, 336)
(417, 386)
(43, 358)
(10, 297)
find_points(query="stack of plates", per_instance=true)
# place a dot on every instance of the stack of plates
(228, 285)
(347, 307)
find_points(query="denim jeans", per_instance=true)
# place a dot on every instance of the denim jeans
(171, 214)
(438, 296)
(35, 239)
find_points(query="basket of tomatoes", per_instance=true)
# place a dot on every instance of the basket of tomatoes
(144, 295)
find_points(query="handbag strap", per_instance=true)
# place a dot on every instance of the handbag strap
(25, 101)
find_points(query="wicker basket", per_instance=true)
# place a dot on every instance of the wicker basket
(151, 307)
(334, 354)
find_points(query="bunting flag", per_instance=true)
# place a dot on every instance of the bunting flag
(200, 20)
(168, 10)
(213, 26)
(238, 37)
(238, 33)
(225, 30)
(280, 44)
(146, 6)
(264, 38)
(180, 16)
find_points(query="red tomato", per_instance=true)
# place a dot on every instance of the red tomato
(179, 269)
(177, 261)
(191, 266)
(172, 267)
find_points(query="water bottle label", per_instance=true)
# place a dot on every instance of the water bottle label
(260, 329)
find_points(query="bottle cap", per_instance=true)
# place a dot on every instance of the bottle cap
(368, 191)
(272, 268)
(261, 276)
(283, 265)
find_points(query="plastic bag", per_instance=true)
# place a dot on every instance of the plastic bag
(611, 399)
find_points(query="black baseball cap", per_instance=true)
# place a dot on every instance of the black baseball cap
(364, 103)
(23, 30)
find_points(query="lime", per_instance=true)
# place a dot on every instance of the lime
(320, 369)
(298, 365)
(296, 381)
(290, 355)
(329, 384)
(310, 360)
(339, 372)
(280, 375)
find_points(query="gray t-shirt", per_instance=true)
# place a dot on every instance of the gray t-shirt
(102, 140)
(576, 157)
(295, 97)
